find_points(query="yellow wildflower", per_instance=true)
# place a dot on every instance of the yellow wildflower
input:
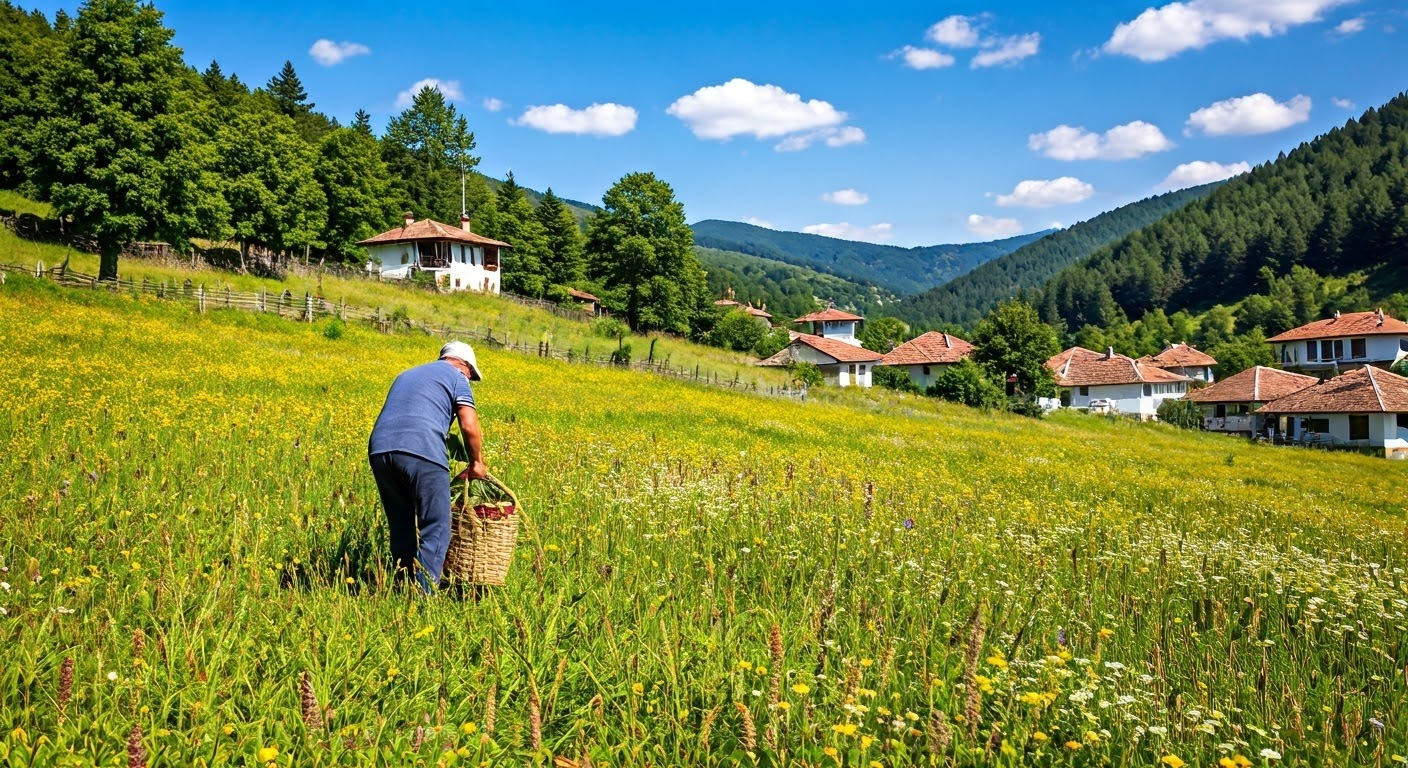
(800, 689)
(845, 729)
(1106, 633)
(637, 688)
(265, 754)
(1173, 761)
(1073, 745)
(1040, 737)
(468, 729)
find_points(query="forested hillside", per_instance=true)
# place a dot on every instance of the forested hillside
(1336, 205)
(789, 291)
(963, 301)
(901, 270)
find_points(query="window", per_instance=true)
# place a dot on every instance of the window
(926, 370)
(1403, 421)
(1220, 410)
(1148, 390)
(1085, 391)
(1316, 425)
(457, 282)
(1358, 427)
(851, 369)
(1311, 351)
(862, 370)
(1332, 349)
(405, 258)
(1358, 349)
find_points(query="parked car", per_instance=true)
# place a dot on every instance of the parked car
(1100, 405)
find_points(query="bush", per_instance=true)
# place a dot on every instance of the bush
(334, 329)
(610, 328)
(965, 383)
(805, 374)
(1025, 405)
(773, 341)
(737, 331)
(621, 355)
(892, 377)
(1181, 413)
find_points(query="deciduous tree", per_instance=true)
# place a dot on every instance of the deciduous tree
(1012, 341)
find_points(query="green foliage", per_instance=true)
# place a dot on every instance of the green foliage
(334, 329)
(271, 182)
(640, 246)
(900, 270)
(893, 377)
(1236, 355)
(621, 355)
(1302, 296)
(1184, 414)
(287, 91)
(738, 331)
(786, 290)
(1012, 341)
(773, 341)
(805, 374)
(882, 334)
(564, 260)
(610, 328)
(359, 191)
(29, 48)
(967, 383)
(426, 148)
(525, 270)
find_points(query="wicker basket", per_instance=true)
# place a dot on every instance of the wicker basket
(481, 548)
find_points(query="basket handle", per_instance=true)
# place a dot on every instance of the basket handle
(497, 483)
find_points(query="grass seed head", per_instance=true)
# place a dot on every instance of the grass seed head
(749, 738)
(312, 713)
(136, 753)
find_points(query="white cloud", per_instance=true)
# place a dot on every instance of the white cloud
(874, 233)
(1248, 115)
(956, 31)
(328, 53)
(846, 197)
(990, 226)
(923, 58)
(832, 137)
(595, 120)
(757, 222)
(740, 107)
(1123, 142)
(1007, 50)
(450, 88)
(1350, 26)
(1161, 33)
(493, 105)
(1037, 193)
(1201, 172)
(1342, 103)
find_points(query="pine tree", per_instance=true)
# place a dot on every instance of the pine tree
(287, 91)
(515, 224)
(426, 147)
(564, 261)
(362, 122)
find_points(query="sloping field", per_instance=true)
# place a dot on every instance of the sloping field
(188, 530)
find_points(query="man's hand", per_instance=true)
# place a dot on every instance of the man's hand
(475, 471)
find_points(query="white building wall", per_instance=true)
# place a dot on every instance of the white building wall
(917, 375)
(466, 271)
(1127, 399)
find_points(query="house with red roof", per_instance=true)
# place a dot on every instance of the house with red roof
(926, 356)
(832, 323)
(1365, 408)
(728, 304)
(458, 259)
(1184, 360)
(842, 364)
(1110, 382)
(1346, 341)
(1229, 405)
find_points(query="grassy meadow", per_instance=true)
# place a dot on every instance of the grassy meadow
(193, 573)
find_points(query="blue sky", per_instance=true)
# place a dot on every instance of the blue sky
(898, 122)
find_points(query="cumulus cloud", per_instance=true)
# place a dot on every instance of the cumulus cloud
(831, 137)
(1004, 51)
(956, 31)
(1123, 142)
(328, 53)
(1248, 115)
(923, 58)
(595, 120)
(846, 197)
(1350, 26)
(757, 222)
(1162, 33)
(740, 107)
(991, 226)
(874, 233)
(493, 105)
(1037, 193)
(450, 88)
(1342, 103)
(1201, 172)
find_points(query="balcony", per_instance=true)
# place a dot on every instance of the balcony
(1246, 424)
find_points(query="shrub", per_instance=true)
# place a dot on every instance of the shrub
(610, 328)
(334, 329)
(621, 355)
(737, 331)
(896, 378)
(1185, 414)
(966, 383)
(805, 374)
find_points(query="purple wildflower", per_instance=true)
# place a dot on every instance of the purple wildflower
(909, 523)
(1061, 637)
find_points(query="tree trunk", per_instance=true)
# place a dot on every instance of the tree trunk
(108, 252)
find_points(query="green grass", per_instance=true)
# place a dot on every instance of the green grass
(14, 201)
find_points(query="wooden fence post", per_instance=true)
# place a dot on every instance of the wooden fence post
(39, 269)
(200, 298)
(261, 299)
(227, 295)
(308, 307)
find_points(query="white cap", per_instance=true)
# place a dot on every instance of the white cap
(462, 351)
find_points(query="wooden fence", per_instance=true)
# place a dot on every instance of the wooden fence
(307, 308)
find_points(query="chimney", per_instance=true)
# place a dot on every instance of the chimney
(1109, 353)
(1337, 314)
(947, 343)
(1380, 313)
(464, 222)
(410, 218)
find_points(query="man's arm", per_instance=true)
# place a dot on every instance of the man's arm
(473, 440)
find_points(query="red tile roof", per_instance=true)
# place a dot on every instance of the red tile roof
(430, 229)
(1254, 385)
(1181, 356)
(1363, 390)
(1347, 324)
(725, 303)
(827, 314)
(755, 312)
(932, 348)
(1084, 368)
(839, 351)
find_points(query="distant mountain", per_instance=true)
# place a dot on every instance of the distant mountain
(1337, 205)
(788, 291)
(967, 298)
(901, 270)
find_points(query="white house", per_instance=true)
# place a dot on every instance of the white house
(1230, 404)
(459, 259)
(1117, 383)
(1347, 340)
(1184, 360)
(926, 356)
(832, 323)
(842, 364)
(1366, 407)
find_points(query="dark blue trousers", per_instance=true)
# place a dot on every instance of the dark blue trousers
(416, 496)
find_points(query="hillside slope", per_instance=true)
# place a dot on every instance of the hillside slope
(965, 299)
(788, 290)
(901, 270)
(1337, 204)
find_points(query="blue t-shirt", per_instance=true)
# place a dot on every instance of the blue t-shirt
(418, 412)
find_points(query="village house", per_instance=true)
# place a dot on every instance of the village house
(1343, 342)
(727, 304)
(1109, 382)
(841, 364)
(832, 323)
(458, 259)
(1230, 404)
(926, 356)
(1366, 407)
(589, 303)
(1183, 360)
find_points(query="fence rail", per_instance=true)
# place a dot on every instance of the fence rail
(307, 308)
